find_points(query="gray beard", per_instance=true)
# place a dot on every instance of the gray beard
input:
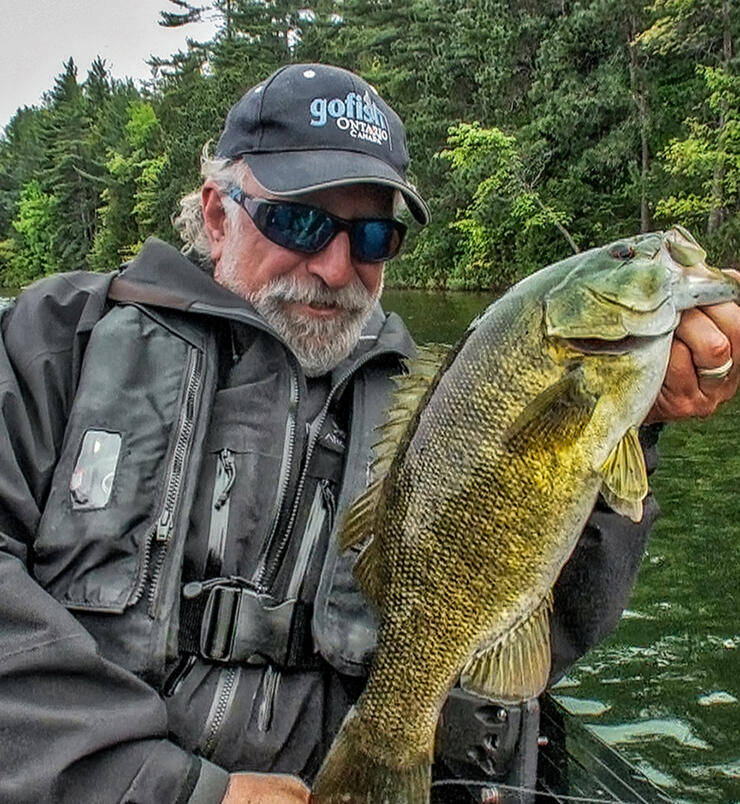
(319, 344)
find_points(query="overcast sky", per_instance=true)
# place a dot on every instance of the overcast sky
(38, 36)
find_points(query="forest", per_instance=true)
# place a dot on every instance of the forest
(536, 129)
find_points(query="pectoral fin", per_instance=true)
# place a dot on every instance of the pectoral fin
(516, 667)
(625, 477)
(563, 406)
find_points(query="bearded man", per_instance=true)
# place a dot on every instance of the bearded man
(177, 440)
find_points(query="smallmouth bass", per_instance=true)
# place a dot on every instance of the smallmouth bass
(488, 468)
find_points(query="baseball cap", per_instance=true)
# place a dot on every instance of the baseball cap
(311, 126)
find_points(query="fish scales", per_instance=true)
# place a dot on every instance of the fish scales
(443, 487)
(489, 490)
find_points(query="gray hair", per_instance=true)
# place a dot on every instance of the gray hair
(189, 223)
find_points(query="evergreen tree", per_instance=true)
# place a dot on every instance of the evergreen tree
(20, 156)
(526, 123)
(186, 14)
(130, 198)
(68, 171)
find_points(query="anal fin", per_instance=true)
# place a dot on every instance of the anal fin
(517, 666)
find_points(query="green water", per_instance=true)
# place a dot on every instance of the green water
(665, 686)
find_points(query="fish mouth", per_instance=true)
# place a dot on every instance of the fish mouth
(600, 346)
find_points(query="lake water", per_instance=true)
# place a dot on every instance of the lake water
(664, 687)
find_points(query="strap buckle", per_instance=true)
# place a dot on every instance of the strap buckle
(239, 625)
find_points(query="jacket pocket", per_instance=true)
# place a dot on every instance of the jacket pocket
(107, 495)
(235, 500)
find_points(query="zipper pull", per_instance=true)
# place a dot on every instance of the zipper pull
(164, 526)
(330, 501)
(226, 459)
(193, 589)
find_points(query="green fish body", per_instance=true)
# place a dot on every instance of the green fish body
(503, 450)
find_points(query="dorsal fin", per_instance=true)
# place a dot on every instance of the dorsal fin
(358, 525)
(411, 390)
(359, 521)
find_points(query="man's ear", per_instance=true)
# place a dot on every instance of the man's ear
(215, 219)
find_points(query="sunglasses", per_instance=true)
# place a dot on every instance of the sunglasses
(300, 227)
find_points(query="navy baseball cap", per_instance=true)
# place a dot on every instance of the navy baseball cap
(311, 126)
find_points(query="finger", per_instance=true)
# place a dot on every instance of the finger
(684, 394)
(681, 379)
(680, 387)
(726, 317)
(706, 341)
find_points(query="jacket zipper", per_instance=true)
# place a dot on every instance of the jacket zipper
(323, 506)
(223, 696)
(262, 578)
(222, 700)
(286, 468)
(158, 537)
(269, 569)
(224, 482)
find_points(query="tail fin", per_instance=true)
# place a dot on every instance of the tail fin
(350, 775)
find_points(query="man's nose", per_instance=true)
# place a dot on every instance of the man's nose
(333, 264)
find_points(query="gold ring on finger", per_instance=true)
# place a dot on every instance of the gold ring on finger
(718, 373)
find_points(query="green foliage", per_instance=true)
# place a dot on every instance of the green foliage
(130, 198)
(701, 161)
(705, 165)
(30, 253)
(499, 229)
(534, 128)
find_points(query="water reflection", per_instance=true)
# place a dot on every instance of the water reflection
(665, 685)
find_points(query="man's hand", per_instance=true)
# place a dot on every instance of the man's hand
(266, 788)
(706, 338)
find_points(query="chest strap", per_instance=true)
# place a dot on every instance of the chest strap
(223, 621)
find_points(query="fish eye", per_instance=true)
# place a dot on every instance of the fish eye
(622, 251)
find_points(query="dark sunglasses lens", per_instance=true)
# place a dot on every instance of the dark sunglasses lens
(295, 227)
(375, 241)
(306, 229)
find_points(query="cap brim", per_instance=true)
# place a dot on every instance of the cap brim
(290, 173)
